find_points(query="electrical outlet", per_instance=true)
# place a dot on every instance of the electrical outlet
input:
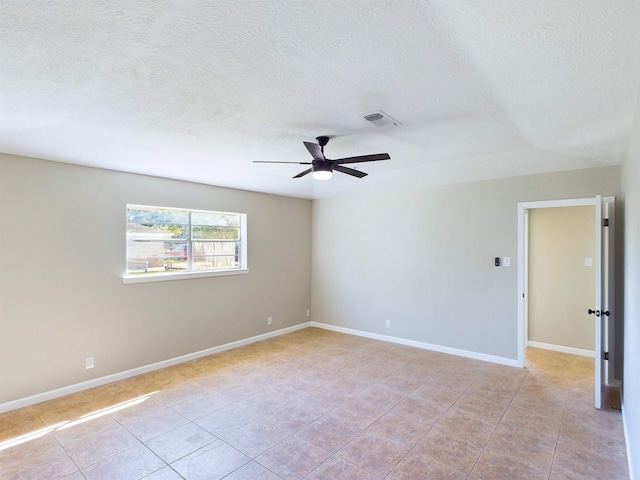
(388, 324)
(308, 313)
(269, 320)
(89, 363)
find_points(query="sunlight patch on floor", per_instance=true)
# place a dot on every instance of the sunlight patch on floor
(12, 442)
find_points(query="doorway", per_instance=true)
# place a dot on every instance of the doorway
(601, 307)
(559, 284)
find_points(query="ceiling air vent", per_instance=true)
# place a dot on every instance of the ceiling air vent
(381, 119)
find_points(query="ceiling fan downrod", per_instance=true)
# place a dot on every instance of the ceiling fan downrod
(322, 141)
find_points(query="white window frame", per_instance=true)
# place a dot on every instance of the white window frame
(242, 269)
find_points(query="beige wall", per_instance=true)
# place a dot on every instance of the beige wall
(62, 256)
(561, 287)
(423, 258)
(437, 284)
(631, 379)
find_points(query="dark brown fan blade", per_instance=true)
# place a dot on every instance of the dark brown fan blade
(302, 174)
(349, 171)
(269, 161)
(314, 150)
(363, 158)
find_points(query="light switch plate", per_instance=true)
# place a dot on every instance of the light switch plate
(506, 261)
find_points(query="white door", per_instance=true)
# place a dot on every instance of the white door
(603, 309)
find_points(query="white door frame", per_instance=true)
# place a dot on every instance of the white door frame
(523, 208)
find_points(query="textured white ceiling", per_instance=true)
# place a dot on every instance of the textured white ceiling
(196, 90)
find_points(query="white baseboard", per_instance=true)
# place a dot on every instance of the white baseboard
(427, 346)
(563, 349)
(96, 382)
(625, 430)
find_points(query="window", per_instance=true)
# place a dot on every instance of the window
(170, 243)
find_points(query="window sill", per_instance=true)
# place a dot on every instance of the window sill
(164, 277)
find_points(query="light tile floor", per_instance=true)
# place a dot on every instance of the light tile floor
(316, 404)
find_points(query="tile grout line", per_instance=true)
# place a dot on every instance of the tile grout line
(564, 411)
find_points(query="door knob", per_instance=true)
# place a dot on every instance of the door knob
(591, 312)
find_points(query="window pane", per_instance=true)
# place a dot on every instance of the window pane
(215, 255)
(145, 257)
(176, 256)
(215, 262)
(154, 257)
(176, 251)
(213, 248)
(147, 247)
(173, 262)
(157, 216)
(214, 219)
(215, 233)
(137, 231)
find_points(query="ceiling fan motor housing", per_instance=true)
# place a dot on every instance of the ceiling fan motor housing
(321, 165)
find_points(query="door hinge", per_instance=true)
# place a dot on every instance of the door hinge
(605, 222)
(606, 355)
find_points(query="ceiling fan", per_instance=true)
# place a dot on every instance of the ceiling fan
(323, 167)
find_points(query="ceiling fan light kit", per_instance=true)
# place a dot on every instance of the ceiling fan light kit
(322, 174)
(323, 167)
(321, 170)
